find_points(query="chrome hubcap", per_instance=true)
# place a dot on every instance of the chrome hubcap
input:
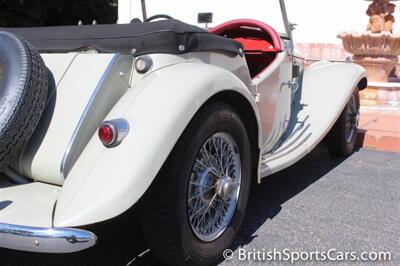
(226, 188)
(352, 118)
(214, 187)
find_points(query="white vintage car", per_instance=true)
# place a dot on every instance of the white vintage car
(160, 114)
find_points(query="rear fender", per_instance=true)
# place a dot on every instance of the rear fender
(105, 182)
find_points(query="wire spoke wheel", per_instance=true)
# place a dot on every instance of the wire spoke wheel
(352, 118)
(214, 187)
(341, 139)
(194, 208)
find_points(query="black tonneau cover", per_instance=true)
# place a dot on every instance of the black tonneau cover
(167, 36)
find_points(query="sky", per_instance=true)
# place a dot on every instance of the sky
(319, 21)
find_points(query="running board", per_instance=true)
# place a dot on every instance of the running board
(315, 110)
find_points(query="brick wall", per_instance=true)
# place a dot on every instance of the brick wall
(320, 51)
(330, 51)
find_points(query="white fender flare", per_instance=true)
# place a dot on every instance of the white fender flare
(105, 182)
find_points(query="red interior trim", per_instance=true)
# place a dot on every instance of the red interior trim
(239, 23)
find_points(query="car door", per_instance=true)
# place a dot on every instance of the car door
(274, 97)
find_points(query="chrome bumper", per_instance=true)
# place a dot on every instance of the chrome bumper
(45, 240)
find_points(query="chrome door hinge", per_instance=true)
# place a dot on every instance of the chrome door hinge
(292, 84)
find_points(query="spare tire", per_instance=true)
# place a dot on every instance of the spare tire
(23, 94)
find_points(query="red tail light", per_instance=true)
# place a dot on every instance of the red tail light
(112, 133)
(107, 134)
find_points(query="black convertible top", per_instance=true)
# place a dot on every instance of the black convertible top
(167, 36)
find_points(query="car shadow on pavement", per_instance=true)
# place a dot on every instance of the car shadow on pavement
(121, 243)
(267, 198)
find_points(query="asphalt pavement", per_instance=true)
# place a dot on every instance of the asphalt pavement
(321, 204)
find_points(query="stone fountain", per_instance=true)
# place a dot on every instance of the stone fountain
(377, 49)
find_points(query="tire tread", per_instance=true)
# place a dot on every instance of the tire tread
(29, 107)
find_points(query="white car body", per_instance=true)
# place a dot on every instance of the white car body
(77, 181)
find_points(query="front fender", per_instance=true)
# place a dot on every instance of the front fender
(330, 75)
(105, 182)
(326, 89)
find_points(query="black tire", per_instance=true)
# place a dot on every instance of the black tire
(165, 223)
(340, 143)
(23, 93)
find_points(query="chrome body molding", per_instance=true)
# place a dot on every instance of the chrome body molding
(66, 158)
(45, 240)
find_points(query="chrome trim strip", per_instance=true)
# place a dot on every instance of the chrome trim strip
(45, 240)
(83, 116)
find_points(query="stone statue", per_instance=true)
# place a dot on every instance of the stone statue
(389, 18)
(381, 16)
(378, 49)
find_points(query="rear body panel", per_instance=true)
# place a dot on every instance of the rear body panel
(158, 111)
(29, 204)
(85, 88)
